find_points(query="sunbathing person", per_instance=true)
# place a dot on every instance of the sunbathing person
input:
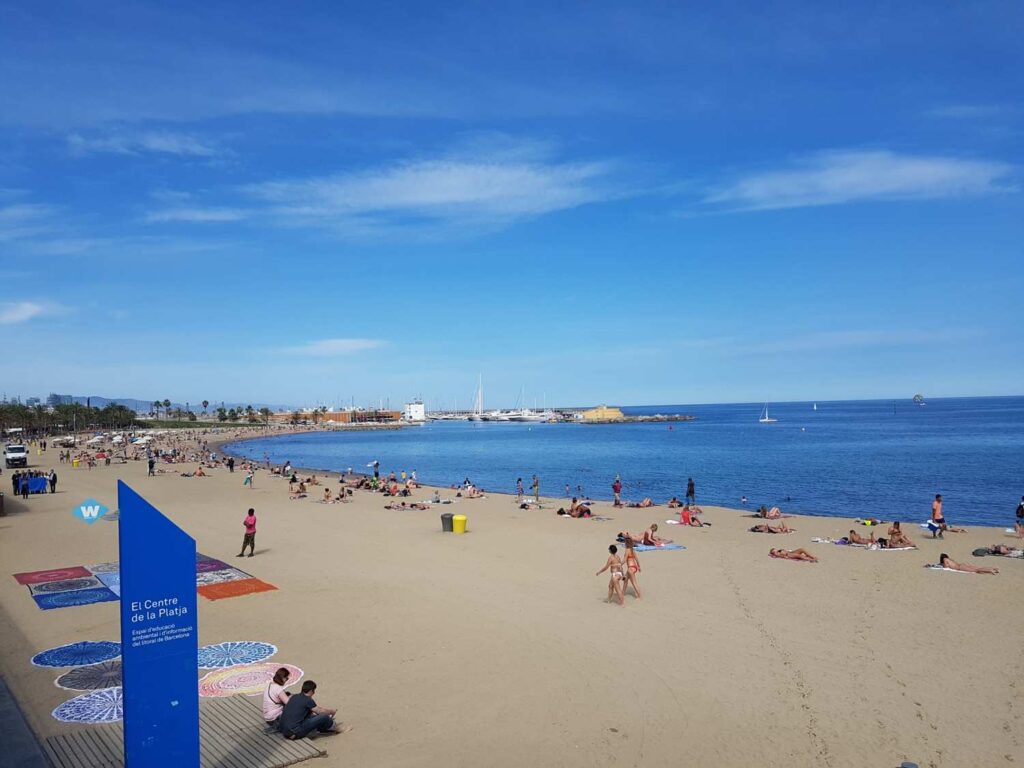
(327, 496)
(947, 562)
(578, 509)
(897, 538)
(674, 502)
(769, 528)
(856, 538)
(642, 504)
(651, 539)
(999, 550)
(688, 516)
(772, 514)
(793, 554)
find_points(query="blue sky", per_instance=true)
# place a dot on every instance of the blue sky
(601, 202)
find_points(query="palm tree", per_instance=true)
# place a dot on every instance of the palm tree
(265, 413)
(156, 408)
(205, 404)
(222, 414)
(167, 405)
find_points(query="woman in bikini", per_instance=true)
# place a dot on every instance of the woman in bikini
(947, 562)
(618, 575)
(897, 538)
(793, 554)
(632, 569)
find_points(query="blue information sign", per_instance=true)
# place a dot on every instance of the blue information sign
(159, 637)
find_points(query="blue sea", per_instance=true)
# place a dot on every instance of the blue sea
(881, 458)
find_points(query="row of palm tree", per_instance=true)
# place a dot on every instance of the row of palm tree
(41, 419)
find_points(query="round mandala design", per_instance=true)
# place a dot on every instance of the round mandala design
(234, 653)
(103, 706)
(78, 654)
(106, 674)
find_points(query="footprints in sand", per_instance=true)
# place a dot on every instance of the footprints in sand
(795, 676)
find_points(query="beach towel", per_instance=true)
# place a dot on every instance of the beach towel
(936, 567)
(650, 548)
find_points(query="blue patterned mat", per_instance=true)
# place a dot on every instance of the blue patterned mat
(53, 600)
(78, 654)
(233, 653)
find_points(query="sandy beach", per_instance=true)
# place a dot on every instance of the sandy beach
(497, 647)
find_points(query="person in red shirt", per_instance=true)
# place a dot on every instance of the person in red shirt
(250, 533)
(617, 490)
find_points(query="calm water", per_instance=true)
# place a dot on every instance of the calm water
(846, 459)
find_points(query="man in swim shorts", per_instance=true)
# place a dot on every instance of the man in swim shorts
(938, 520)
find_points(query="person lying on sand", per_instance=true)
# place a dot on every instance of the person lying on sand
(856, 538)
(999, 550)
(642, 504)
(771, 514)
(897, 538)
(769, 528)
(793, 554)
(947, 562)
(618, 576)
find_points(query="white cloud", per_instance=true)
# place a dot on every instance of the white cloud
(23, 220)
(832, 178)
(196, 215)
(335, 347)
(12, 313)
(471, 191)
(157, 142)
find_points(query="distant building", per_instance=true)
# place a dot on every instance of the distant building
(54, 399)
(337, 417)
(33, 401)
(415, 411)
(602, 413)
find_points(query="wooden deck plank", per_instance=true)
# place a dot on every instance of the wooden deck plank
(232, 735)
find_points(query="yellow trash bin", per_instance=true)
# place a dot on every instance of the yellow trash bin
(459, 524)
(74, 463)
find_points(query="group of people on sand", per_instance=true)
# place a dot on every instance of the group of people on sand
(296, 715)
(624, 571)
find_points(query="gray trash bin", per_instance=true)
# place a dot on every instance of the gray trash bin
(446, 522)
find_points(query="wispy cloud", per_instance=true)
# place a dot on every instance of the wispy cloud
(335, 347)
(833, 178)
(139, 143)
(468, 191)
(13, 313)
(971, 111)
(23, 220)
(198, 215)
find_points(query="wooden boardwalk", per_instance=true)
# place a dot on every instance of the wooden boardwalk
(231, 735)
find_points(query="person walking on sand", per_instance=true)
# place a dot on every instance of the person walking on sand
(152, 466)
(1019, 524)
(617, 491)
(519, 490)
(691, 495)
(53, 480)
(632, 569)
(249, 540)
(617, 577)
(938, 521)
(249, 474)
(536, 489)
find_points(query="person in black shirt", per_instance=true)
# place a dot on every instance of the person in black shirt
(1019, 525)
(302, 716)
(691, 496)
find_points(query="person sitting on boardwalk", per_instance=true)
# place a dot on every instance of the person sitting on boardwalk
(769, 528)
(302, 716)
(898, 539)
(856, 538)
(947, 562)
(275, 697)
(793, 554)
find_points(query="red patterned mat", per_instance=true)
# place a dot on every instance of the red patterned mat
(56, 574)
(234, 588)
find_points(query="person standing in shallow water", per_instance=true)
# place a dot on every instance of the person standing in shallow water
(536, 489)
(617, 491)
(519, 490)
(691, 493)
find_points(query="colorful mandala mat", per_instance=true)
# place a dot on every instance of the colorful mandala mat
(106, 674)
(234, 653)
(78, 654)
(246, 680)
(103, 706)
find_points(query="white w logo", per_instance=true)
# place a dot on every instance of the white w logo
(89, 512)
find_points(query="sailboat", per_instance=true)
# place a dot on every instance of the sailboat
(478, 404)
(765, 418)
(815, 407)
